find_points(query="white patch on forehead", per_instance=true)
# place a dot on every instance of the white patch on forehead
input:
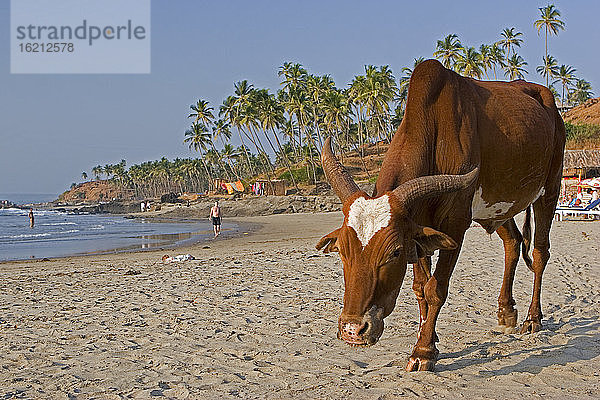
(480, 209)
(368, 216)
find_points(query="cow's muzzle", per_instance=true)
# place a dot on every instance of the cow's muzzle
(364, 333)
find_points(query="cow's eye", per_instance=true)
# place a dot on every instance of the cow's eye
(394, 255)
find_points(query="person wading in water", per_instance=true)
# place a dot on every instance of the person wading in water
(215, 216)
(31, 218)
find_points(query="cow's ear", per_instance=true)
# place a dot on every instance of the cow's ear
(430, 240)
(329, 242)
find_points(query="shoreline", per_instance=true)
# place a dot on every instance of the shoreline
(246, 229)
(236, 212)
(138, 240)
(195, 238)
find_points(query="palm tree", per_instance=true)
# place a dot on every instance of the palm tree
(221, 131)
(510, 38)
(548, 69)
(219, 128)
(565, 75)
(97, 171)
(300, 102)
(84, 175)
(294, 76)
(497, 57)
(317, 86)
(514, 68)
(270, 115)
(486, 59)
(231, 154)
(198, 139)
(469, 63)
(120, 173)
(299, 105)
(230, 111)
(201, 112)
(249, 117)
(377, 92)
(336, 110)
(291, 132)
(581, 93)
(297, 102)
(551, 23)
(108, 170)
(448, 50)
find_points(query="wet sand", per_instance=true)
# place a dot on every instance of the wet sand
(255, 317)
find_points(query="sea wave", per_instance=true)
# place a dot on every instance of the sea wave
(37, 235)
(58, 223)
(69, 231)
(26, 235)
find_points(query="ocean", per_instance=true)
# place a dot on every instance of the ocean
(28, 198)
(57, 234)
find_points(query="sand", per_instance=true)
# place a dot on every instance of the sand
(255, 317)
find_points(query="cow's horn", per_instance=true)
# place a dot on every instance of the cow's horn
(431, 186)
(339, 179)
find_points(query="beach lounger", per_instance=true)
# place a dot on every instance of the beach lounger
(561, 212)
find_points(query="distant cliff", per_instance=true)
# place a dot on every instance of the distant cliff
(93, 192)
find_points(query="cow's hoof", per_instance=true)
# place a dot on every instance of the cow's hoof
(419, 364)
(531, 326)
(422, 359)
(507, 318)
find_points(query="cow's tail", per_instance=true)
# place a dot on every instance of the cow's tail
(527, 238)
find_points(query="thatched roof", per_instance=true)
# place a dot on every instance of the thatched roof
(582, 159)
(586, 113)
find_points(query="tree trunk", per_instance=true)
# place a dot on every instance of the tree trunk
(287, 162)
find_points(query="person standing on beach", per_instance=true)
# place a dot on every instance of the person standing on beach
(215, 216)
(31, 218)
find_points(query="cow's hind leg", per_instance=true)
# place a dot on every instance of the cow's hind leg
(512, 239)
(543, 211)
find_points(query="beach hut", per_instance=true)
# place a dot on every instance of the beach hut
(582, 163)
(274, 187)
(577, 166)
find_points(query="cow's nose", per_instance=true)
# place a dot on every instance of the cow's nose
(354, 332)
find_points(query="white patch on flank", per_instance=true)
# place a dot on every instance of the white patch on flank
(368, 216)
(480, 209)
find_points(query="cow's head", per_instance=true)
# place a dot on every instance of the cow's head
(376, 241)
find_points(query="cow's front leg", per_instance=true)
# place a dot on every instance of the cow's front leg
(435, 291)
(421, 273)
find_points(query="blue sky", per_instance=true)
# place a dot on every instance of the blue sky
(53, 127)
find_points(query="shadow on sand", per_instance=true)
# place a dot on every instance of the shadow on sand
(583, 344)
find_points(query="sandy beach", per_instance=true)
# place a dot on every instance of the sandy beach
(255, 317)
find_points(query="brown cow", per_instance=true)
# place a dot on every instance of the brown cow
(465, 150)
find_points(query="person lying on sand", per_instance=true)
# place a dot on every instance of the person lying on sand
(180, 257)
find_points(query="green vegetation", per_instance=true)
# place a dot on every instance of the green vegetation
(301, 175)
(292, 123)
(582, 132)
